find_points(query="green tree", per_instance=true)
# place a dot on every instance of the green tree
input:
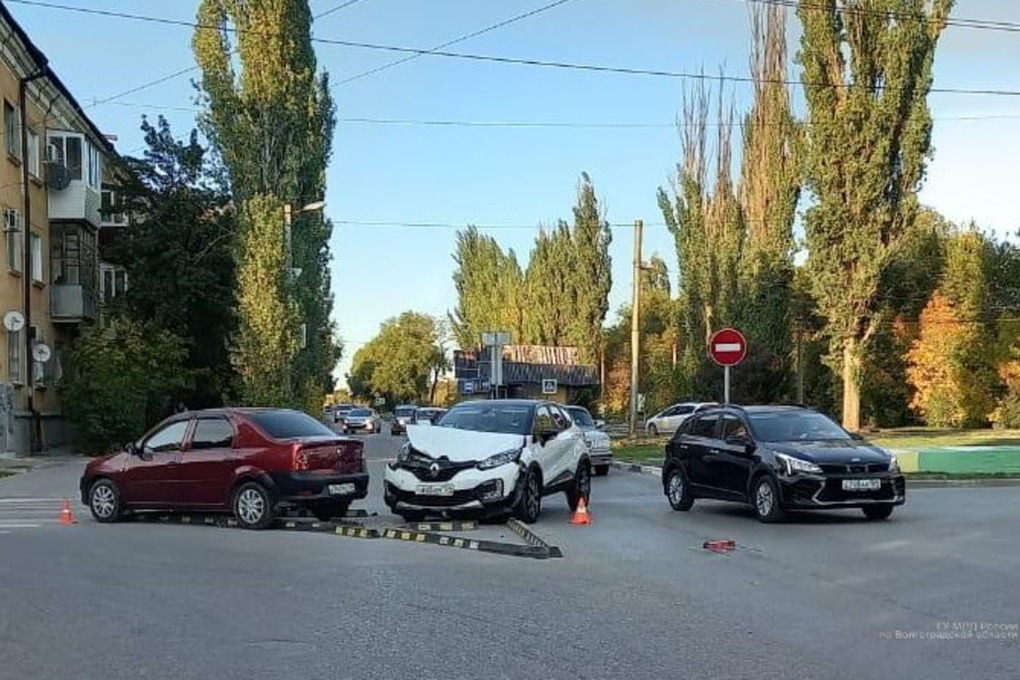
(489, 285)
(590, 274)
(178, 256)
(122, 380)
(708, 230)
(403, 362)
(866, 74)
(770, 184)
(271, 118)
(550, 292)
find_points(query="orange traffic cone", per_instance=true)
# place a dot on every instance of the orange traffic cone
(66, 518)
(581, 515)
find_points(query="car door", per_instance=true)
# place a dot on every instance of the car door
(700, 442)
(152, 477)
(551, 452)
(567, 441)
(732, 461)
(207, 462)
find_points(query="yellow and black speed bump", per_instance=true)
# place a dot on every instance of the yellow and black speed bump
(440, 526)
(479, 545)
(531, 537)
(345, 528)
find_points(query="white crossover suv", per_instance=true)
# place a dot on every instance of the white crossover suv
(492, 458)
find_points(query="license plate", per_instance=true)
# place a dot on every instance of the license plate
(434, 489)
(340, 489)
(862, 484)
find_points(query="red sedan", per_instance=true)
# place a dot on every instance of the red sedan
(251, 461)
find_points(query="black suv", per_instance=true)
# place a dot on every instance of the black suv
(777, 458)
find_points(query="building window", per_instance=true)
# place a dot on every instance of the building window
(14, 352)
(111, 211)
(67, 151)
(13, 238)
(37, 258)
(12, 129)
(33, 153)
(73, 256)
(95, 169)
(114, 282)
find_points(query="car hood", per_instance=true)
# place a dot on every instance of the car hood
(460, 445)
(837, 452)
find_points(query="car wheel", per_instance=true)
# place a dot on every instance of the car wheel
(582, 487)
(253, 506)
(877, 512)
(529, 503)
(325, 512)
(104, 501)
(601, 470)
(653, 431)
(678, 490)
(765, 499)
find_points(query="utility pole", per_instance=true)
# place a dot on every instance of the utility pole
(635, 327)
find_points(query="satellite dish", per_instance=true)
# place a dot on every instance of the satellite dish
(41, 352)
(14, 321)
(58, 177)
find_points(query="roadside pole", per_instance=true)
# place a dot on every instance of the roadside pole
(635, 328)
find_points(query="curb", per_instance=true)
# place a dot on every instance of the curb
(917, 483)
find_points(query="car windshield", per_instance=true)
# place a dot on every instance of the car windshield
(504, 418)
(795, 426)
(581, 417)
(360, 413)
(404, 412)
(289, 424)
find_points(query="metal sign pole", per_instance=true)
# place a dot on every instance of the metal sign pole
(726, 384)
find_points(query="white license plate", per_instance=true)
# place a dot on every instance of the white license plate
(340, 489)
(434, 489)
(862, 484)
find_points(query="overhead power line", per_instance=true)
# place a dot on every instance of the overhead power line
(177, 74)
(473, 34)
(561, 124)
(561, 65)
(977, 24)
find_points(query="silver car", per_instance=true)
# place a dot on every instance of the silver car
(362, 420)
(599, 446)
(669, 419)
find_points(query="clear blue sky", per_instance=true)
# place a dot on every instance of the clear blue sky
(517, 178)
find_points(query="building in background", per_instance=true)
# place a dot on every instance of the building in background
(529, 372)
(53, 218)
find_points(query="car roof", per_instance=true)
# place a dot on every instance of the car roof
(505, 402)
(763, 408)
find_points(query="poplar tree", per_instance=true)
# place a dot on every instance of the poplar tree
(867, 71)
(270, 117)
(489, 285)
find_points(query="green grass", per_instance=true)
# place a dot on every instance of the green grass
(7, 473)
(920, 438)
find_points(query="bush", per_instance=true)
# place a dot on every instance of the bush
(121, 381)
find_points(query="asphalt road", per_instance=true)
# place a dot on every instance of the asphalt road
(824, 596)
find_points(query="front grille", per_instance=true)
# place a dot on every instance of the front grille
(855, 468)
(445, 473)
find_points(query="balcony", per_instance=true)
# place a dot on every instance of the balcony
(76, 164)
(72, 303)
(78, 202)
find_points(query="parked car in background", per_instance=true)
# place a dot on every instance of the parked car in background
(429, 415)
(599, 444)
(778, 458)
(251, 461)
(340, 411)
(491, 458)
(363, 421)
(669, 419)
(403, 416)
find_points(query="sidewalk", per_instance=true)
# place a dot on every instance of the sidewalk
(47, 476)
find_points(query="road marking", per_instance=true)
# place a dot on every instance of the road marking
(32, 500)
(728, 347)
(5, 525)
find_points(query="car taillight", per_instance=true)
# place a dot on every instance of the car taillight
(300, 460)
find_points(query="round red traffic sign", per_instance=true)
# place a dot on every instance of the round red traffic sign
(728, 347)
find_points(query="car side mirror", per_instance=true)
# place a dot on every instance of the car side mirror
(740, 440)
(856, 436)
(545, 436)
(599, 424)
(131, 449)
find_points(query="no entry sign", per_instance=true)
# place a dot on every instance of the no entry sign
(728, 347)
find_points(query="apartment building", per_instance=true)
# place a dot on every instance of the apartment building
(52, 167)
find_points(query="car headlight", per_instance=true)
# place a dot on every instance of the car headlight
(894, 464)
(793, 465)
(502, 458)
(405, 453)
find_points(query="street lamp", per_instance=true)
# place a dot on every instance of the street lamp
(288, 212)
